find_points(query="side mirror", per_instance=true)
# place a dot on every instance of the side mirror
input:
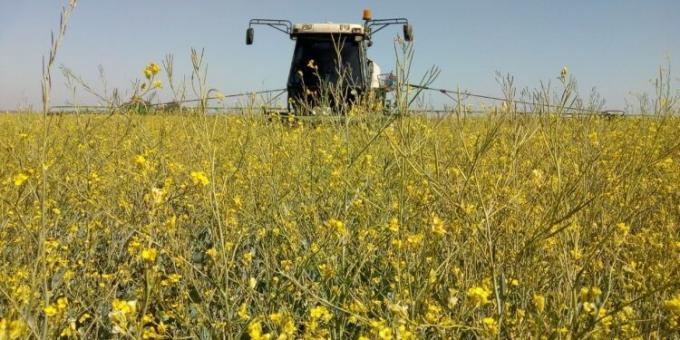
(250, 35)
(408, 32)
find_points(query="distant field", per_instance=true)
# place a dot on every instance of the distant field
(171, 227)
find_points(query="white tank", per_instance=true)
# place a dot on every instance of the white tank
(375, 74)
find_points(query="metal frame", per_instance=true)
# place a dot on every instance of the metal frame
(284, 26)
(382, 23)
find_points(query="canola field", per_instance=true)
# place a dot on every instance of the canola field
(499, 226)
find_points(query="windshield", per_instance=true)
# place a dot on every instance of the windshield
(318, 54)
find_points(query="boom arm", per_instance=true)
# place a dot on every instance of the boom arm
(375, 25)
(284, 26)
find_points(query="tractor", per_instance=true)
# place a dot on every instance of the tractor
(330, 71)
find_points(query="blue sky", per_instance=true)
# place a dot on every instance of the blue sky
(615, 46)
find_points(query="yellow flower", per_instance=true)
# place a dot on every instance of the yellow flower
(320, 313)
(50, 311)
(339, 226)
(247, 258)
(84, 317)
(243, 312)
(149, 254)
(385, 333)
(490, 325)
(666, 163)
(150, 333)
(133, 246)
(622, 228)
(255, 330)
(539, 302)
(126, 307)
(157, 84)
(289, 328)
(393, 226)
(326, 271)
(20, 178)
(405, 333)
(69, 331)
(590, 294)
(151, 70)
(212, 253)
(438, 226)
(174, 278)
(673, 304)
(199, 177)
(415, 239)
(434, 312)
(140, 160)
(10, 330)
(276, 317)
(62, 303)
(479, 295)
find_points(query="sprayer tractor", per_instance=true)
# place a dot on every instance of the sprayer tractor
(331, 69)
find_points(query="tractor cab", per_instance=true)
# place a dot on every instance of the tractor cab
(330, 65)
(329, 60)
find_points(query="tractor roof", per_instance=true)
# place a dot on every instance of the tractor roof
(328, 28)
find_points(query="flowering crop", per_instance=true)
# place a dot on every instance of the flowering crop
(176, 226)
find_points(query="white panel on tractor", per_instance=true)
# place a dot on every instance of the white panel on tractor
(328, 28)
